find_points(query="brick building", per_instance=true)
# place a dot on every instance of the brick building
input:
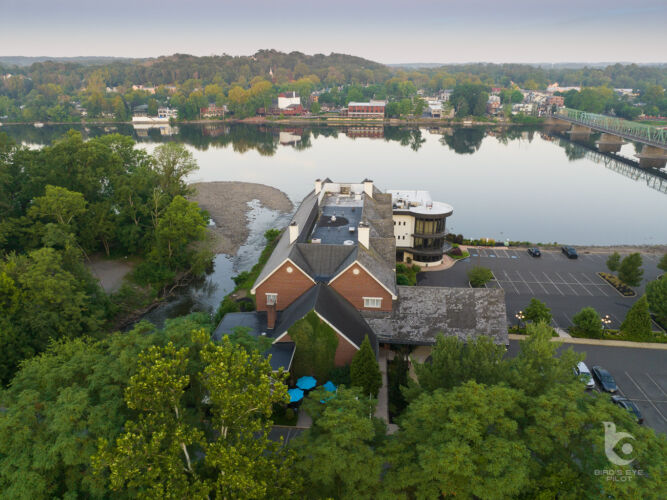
(337, 260)
(371, 109)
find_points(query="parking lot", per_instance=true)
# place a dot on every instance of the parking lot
(565, 285)
(641, 376)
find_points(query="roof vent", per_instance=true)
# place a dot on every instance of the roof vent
(348, 243)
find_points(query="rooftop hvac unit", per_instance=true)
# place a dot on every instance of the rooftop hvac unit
(348, 243)
(316, 240)
(352, 229)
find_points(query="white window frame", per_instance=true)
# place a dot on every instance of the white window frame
(271, 299)
(373, 302)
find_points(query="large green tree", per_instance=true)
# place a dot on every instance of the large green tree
(537, 312)
(587, 323)
(656, 294)
(337, 456)
(637, 323)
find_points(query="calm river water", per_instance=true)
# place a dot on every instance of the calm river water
(517, 184)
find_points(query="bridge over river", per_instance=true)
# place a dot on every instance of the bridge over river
(615, 131)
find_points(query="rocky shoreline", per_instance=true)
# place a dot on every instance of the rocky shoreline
(228, 205)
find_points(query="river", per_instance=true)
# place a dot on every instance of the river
(517, 184)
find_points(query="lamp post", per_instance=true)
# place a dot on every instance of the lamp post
(520, 316)
(606, 321)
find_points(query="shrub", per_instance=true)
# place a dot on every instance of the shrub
(401, 268)
(538, 312)
(455, 252)
(402, 279)
(624, 289)
(226, 306)
(479, 276)
(637, 323)
(587, 323)
(340, 375)
(416, 268)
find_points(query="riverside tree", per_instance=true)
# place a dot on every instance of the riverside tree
(364, 370)
(662, 265)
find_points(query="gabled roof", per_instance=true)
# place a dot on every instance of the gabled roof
(333, 309)
(323, 261)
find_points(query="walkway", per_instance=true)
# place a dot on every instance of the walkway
(382, 408)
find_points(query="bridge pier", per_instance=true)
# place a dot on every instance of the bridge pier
(579, 132)
(610, 143)
(652, 157)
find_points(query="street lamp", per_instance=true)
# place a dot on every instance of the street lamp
(520, 316)
(606, 321)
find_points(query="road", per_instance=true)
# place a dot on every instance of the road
(565, 285)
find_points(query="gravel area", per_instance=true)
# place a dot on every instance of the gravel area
(227, 203)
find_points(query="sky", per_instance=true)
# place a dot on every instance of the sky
(388, 31)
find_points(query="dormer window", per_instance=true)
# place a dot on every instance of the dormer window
(373, 302)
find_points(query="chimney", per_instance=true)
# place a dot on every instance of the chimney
(271, 316)
(364, 233)
(368, 187)
(318, 186)
(293, 232)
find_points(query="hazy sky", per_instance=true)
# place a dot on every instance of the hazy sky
(387, 31)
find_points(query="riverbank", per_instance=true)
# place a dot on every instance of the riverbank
(227, 204)
(331, 121)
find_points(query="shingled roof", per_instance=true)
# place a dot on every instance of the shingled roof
(331, 307)
(324, 261)
(422, 312)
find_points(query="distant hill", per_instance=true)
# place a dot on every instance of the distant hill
(23, 61)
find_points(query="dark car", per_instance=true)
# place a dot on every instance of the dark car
(604, 378)
(535, 252)
(629, 406)
(570, 252)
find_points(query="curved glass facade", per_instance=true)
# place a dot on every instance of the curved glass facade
(430, 226)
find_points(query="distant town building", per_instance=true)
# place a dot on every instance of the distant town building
(287, 99)
(371, 109)
(150, 90)
(213, 111)
(556, 100)
(434, 109)
(167, 113)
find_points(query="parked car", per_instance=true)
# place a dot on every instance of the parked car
(604, 378)
(535, 252)
(584, 374)
(570, 252)
(629, 406)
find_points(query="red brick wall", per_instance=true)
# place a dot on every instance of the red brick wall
(288, 286)
(354, 287)
(345, 352)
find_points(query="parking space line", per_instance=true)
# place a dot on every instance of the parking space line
(524, 282)
(554, 284)
(646, 396)
(566, 283)
(537, 281)
(482, 252)
(647, 401)
(657, 385)
(505, 252)
(510, 282)
(581, 284)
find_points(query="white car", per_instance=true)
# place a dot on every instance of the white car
(584, 374)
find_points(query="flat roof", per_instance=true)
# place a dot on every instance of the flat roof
(418, 202)
(338, 215)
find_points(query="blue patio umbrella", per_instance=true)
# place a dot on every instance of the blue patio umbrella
(330, 386)
(306, 383)
(295, 395)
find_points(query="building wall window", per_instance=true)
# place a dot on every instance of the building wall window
(271, 299)
(373, 302)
